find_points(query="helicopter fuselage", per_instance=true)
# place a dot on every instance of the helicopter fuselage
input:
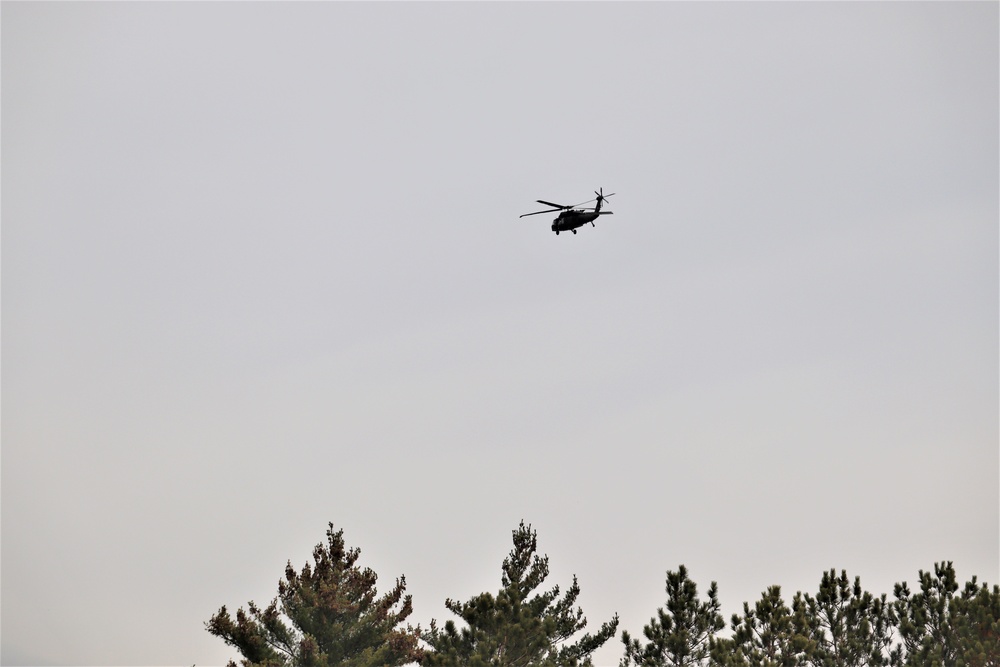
(568, 221)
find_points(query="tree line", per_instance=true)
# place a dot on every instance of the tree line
(330, 614)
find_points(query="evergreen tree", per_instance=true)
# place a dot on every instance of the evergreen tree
(680, 635)
(925, 623)
(848, 626)
(769, 635)
(329, 614)
(977, 625)
(518, 627)
(938, 628)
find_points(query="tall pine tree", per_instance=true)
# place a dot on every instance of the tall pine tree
(977, 625)
(519, 627)
(925, 620)
(329, 614)
(680, 635)
(938, 628)
(767, 635)
(849, 627)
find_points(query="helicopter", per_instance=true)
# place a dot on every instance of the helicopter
(571, 217)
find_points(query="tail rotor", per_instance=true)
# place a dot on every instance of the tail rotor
(601, 198)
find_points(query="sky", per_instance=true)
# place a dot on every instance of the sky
(263, 269)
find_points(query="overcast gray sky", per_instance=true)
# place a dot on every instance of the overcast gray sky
(262, 268)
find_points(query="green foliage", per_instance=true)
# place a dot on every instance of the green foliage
(939, 629)
(925, 630)
(976, 626)
(329, 614)
(681, 634)
(768, 635)
(518, 627)
(848, 627)
(845, 626)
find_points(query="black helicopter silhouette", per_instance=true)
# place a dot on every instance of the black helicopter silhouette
(571, 217)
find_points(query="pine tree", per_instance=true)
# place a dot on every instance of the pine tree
(925, 623)
(329, 614)
(849, 627)
(769, 635)
(518, 627)
(938, 628)
(976, 625)
(680, 635)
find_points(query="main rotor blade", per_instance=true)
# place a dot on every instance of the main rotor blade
(539, 212)
(548, 203)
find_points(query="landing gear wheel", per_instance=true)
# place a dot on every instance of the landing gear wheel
(574, 231)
